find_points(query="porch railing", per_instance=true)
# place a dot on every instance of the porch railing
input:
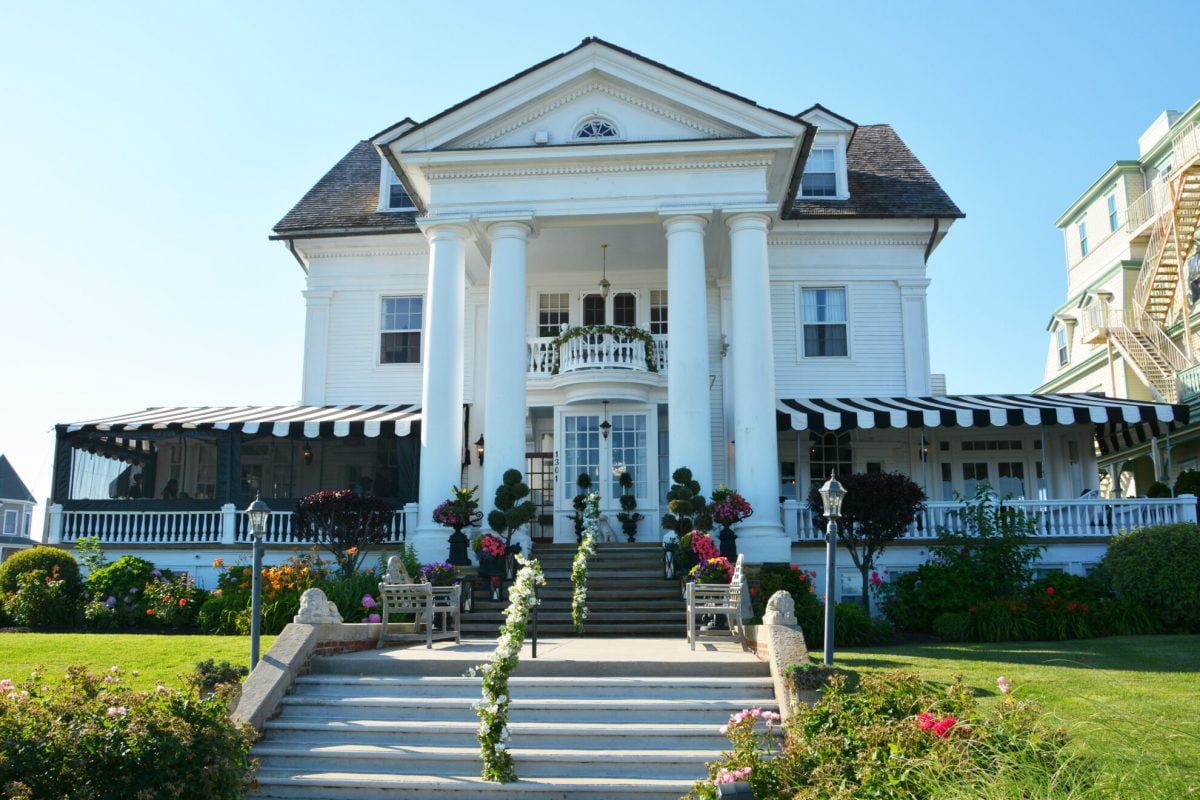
(224, 526)
(1052, 518)
(599, 351)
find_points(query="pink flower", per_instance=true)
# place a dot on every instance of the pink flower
(117, 711)
(1003, 685)
(925, 720)
(732, 775)
(1050, 591)
(942, 727)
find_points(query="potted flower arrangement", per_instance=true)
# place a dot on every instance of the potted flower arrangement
(490, 550)
(441, 573)
(712, 570)
(728, 508)
(460, 511)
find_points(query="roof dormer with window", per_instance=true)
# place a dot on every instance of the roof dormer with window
(825, 175)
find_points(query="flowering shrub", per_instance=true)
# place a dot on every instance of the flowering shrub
(488, 545)
(460, 511)
(90, 736)
(492, 709)
(897, 737)
(728, 507)
(441, 573)
(172, 601)
(345, 523)
(579, 567)
(40, 601)
(712, 570)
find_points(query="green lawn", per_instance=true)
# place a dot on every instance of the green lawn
(1132, 702)
(156, 658)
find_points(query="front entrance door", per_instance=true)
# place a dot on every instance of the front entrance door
(626, 445)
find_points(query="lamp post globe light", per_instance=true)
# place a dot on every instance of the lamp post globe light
(257, 513)
(832, 495)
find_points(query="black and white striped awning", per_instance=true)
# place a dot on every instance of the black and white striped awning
(309, 421)
(1111, 416)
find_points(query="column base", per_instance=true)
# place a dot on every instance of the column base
(431, 543)
(763, 542)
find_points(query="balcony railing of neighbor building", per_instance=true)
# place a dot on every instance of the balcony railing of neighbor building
(594, 351)
(1090, 517)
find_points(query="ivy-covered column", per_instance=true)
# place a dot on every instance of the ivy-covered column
(442, 349)
(689, 432)
(507, 360)
(756, 462)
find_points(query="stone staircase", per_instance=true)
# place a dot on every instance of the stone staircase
(627, 595)
(375, 725)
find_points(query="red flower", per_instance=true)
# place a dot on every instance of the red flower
(971, 609)
(183, 601)
(1050, 591)
(925, 720)
(795, 567)
(150, 612)
(1084, 607)
(942, 727)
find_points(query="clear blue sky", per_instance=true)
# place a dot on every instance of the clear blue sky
(147, 148)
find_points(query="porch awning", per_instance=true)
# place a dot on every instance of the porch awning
(309, 421)
(1114, 418)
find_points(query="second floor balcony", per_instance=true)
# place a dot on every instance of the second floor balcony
(597, 348)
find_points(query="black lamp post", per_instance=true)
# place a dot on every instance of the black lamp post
(832, 495)
(257, 514)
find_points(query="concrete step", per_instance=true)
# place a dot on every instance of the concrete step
(469, 786)
(627, 688)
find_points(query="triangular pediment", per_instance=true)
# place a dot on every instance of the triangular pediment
(642, 100)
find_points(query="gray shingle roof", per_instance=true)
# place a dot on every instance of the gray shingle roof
(886, 180)
(345, 200)
(11, 487)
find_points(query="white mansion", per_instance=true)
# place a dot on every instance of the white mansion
(603, 265)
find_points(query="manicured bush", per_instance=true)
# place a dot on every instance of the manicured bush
(41, 601)
(897, 737)
(92, 737)
(46, 559)
(1158, 489)
(1155, 568)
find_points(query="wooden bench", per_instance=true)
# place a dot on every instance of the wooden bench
(705, 599)
(427, 604)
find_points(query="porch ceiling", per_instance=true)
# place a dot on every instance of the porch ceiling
(309, 421)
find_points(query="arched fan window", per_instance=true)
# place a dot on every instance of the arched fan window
(597, 128)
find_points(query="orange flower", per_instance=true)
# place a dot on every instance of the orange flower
(351, 551)
(150, 612)
(217, 562)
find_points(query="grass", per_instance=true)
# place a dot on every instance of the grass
(1132, 703)
(156, 658)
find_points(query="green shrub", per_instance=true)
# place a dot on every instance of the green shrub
(1158, 489)
(1155, 568)
(41, 601)
(897, 737)
(48, 560)
(209, 674)
(123, 580)
(1188, 482)
(92, 737)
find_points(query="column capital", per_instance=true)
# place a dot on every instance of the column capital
(674, 223)
(510, 229)
(317, 296)
(434, 229)
(748, 221)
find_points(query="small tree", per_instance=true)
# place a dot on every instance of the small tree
(512, 509)
(878, 508)
(629, 516)
(345, 523)
(686, 504)
(584, 482)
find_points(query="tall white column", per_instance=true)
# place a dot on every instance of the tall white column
(689, 430)
(507, 360)
(316, 347)
(915, 324)
(756, 465)
(442, 384)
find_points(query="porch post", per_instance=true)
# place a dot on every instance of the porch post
(756, 470)
(507, 362)
(228, 524)
(441, 383)
(689, 430)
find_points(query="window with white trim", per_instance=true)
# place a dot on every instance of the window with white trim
(820, 174)
(553, 312)
(596, 128)
(1081, 229)
(625, 310)
(1112, 212)
(594, 310)
(828, 451)
(823, 313)
(10, 522)
(658, 311)
(400, 330)
(395, 195)
(1063, 345)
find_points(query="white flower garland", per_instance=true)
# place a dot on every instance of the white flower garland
(579, 568)
(492, 709)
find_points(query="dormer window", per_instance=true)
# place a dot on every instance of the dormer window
(596, 128)
(394, 195)
(820, 174)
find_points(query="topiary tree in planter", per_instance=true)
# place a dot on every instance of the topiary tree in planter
(687, 505)
(629, 518)
(512, 509)
(584, 483)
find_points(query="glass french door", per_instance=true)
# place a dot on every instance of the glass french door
(604, 460)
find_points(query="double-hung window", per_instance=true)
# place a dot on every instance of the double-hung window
(400, 330)
(1083, 242)
(824, 319)
(10, 522)
(1112, 212)
(553, 313)
(658, 311)
(1063, 345)
(820, 174)
(395, 195)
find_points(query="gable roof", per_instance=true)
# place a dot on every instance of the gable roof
(886, 180)
(11, 487)
(345, 201)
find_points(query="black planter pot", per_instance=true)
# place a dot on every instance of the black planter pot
(458, 549)
(728, 548)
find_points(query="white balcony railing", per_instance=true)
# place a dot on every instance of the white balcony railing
(1146, 207)
(594, 351)
(223, 526)
(1052, 518)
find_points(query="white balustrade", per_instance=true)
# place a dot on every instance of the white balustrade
(595, 351)
(1090, 517)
